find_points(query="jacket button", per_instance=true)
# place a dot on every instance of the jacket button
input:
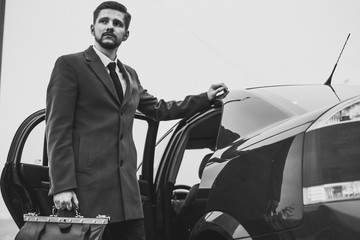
(121, 163)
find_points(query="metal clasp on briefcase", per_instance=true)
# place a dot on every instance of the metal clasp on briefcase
(33, 217)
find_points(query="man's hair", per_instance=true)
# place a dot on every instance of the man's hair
(115, 6)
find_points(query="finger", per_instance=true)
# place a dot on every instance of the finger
(219, 89)
(62, 206)
(69, 205)
(224, 87)
(75, 200)
(57, 204)
(65, 204)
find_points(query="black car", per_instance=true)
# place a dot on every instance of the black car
(280, 162)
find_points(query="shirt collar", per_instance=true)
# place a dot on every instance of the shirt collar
(104, 59)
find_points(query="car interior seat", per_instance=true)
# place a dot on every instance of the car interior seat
(191, 210)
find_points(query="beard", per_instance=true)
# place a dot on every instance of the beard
(106, 43)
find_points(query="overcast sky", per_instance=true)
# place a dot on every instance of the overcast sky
(181, 47)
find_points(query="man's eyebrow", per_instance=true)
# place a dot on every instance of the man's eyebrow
(118, 20)
(103, 18)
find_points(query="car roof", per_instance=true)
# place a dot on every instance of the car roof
(296, 99)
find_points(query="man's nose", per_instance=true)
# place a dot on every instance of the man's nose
(110, 29)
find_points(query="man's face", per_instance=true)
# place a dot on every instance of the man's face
(109, 29)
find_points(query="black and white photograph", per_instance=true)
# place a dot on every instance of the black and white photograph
(180, 120)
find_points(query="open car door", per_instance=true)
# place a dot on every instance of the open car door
(25, 177)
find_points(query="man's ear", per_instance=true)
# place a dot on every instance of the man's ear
(126, 36)
(92, 29)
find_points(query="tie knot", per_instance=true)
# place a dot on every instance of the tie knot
(111, 66)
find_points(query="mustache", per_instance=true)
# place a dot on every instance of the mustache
(105, 34)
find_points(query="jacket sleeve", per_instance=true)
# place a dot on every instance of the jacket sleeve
(169, 110)
(60, 108)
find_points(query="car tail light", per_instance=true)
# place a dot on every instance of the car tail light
(341, 113)
(331, 192)
(350, 113)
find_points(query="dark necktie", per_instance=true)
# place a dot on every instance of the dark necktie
(111, 66)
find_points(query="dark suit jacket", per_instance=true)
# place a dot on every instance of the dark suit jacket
(89, 133)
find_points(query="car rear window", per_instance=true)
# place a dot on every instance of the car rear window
(332, 163)
(245, 116)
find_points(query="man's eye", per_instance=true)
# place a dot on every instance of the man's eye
(118, 24)
(103, 21)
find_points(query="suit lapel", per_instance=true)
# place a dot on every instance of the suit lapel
(100, 71)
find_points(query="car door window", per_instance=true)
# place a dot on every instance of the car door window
(140, 128)
(245, 116)
(188, 174)
(34, 146)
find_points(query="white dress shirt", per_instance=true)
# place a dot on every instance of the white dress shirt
(105, 60)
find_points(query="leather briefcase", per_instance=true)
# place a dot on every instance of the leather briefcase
(54, 227)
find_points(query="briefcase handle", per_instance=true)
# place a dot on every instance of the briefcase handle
(75, 212)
